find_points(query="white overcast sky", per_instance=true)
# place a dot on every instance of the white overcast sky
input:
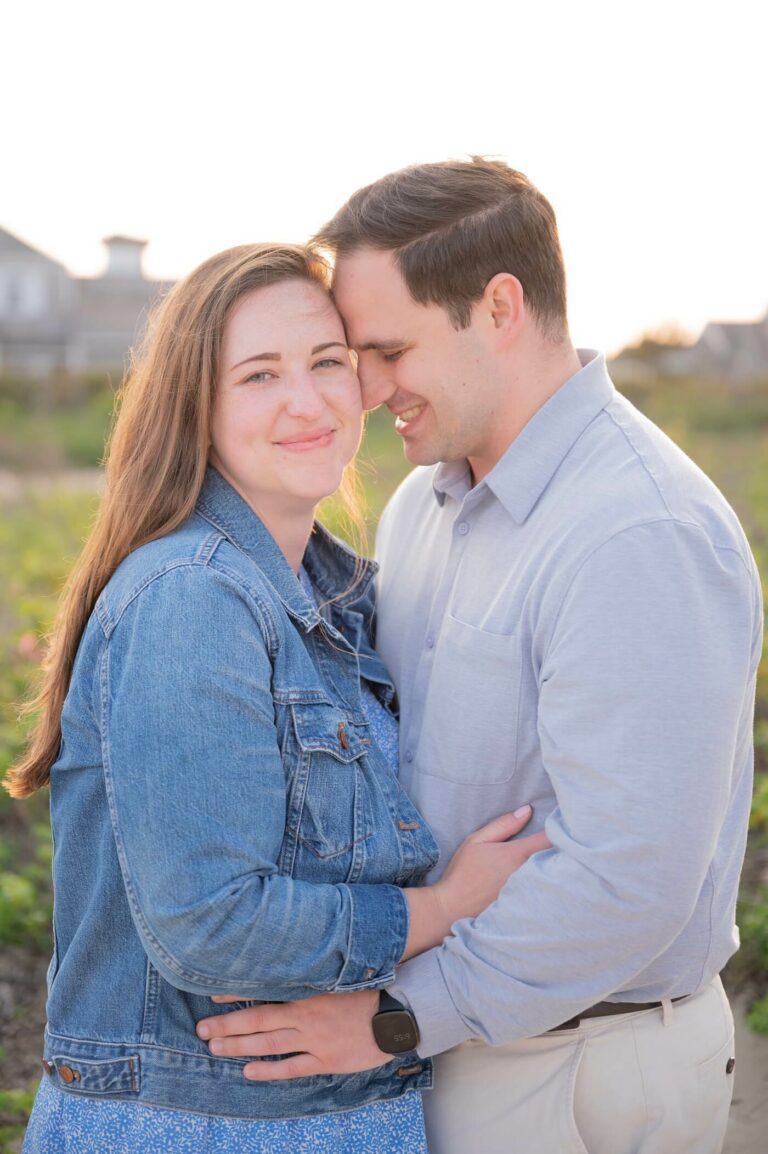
(198, 126)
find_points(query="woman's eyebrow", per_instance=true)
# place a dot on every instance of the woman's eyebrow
(277, 356)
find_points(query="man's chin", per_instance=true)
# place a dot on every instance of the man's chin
(420, 454)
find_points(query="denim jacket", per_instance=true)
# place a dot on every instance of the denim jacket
(222, 822)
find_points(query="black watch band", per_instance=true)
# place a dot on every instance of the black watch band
(394, 1026)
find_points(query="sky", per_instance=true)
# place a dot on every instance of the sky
(199, 126)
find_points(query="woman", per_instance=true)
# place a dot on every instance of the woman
(225, 810)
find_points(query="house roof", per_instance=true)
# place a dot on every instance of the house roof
(11, 245)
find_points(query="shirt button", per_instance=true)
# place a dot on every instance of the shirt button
(409, 756)
(463, 528)
(430, 641)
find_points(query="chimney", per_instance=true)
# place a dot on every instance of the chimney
(124, 257)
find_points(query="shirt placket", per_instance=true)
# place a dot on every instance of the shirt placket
(459, 522)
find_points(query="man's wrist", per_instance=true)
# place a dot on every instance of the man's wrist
(394, 1026)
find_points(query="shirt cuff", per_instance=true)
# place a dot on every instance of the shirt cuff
(377, 937)
(421, 986)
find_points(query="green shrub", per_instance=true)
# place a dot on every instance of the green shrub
(15, 1108)
(757, 1018)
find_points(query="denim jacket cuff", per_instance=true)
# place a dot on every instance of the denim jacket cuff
(377, 936)
(421, 986)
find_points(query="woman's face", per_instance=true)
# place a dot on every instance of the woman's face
(287, 414)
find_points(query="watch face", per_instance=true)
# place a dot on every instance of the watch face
(395, 1031)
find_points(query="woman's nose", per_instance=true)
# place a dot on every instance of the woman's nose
(305, 398)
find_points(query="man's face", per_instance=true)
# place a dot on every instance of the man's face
(442, 384)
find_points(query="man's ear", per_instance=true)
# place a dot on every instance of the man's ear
(504, 304)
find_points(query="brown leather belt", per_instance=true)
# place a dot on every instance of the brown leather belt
(608, 1009)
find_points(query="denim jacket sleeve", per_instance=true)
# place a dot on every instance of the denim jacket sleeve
(197, 796)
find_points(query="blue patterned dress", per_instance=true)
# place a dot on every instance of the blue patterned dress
(65, 1123)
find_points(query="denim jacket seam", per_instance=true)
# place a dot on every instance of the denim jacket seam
(255, 598)
(110, 620)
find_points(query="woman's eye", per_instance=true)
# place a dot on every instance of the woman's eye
(326, 363)
(259, 378)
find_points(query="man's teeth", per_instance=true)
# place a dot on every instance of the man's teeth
(409, 415)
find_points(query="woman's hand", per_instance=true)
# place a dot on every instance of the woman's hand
(472, 880)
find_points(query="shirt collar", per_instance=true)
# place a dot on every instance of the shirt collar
(336, 571)
(522, 474)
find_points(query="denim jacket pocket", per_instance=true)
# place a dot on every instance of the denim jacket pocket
(332, 819)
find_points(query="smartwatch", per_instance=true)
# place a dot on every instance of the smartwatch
(394, 1026)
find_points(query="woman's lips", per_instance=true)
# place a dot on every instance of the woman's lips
(305, 442)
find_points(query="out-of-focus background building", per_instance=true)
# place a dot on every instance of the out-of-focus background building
(53, 321)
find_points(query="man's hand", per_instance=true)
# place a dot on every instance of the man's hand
(326, 1034)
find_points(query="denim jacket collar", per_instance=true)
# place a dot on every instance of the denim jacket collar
(330, 563)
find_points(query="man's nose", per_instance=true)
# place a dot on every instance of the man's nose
(376, 384)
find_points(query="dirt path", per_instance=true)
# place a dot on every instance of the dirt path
(748, 1126)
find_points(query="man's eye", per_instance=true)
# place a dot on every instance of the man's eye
(393, 356)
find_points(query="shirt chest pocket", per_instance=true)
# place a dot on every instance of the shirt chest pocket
(469, 729)
(330, 803)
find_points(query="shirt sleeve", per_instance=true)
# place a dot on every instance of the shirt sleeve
(646, 697)
(197, 797)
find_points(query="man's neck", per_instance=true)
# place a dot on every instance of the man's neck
(532, 383)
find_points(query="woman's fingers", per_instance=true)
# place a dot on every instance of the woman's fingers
(532, 844)
(504, 826)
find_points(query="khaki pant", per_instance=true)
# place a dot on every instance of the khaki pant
(653, 1082)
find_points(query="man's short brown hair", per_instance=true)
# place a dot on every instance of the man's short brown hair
(453, 226)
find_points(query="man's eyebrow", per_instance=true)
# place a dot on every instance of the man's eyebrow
(380, 346)
(277, 356)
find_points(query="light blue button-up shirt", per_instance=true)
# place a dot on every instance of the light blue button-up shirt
(581, 631)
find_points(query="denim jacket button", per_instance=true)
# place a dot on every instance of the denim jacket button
(67, 1074)
(48, 1067)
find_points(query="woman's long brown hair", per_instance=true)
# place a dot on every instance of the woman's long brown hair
(156, 457)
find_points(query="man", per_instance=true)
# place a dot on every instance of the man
(572, 617)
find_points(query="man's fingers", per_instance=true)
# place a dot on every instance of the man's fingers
(256, 1045)
(251, 1020)
(299, 1066)
(504, 826)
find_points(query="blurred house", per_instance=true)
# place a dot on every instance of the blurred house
(732, 352)
(51, 320)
